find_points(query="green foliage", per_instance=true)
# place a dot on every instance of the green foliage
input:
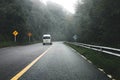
(12, 17)
(98, 22)
(95, 21)
(32, 16)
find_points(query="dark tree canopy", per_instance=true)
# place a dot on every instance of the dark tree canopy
(31, 16)
(98, 22)
(95, 21)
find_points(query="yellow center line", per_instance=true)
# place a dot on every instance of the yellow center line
(18, 75)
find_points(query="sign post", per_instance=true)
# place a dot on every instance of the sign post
(75, 37)
(15, 33)
(14, 38)
(29, 35)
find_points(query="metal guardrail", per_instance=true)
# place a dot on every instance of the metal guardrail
(108, 50)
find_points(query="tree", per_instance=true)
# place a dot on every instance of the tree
(98, 21)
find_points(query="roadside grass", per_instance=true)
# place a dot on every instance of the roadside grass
(11, 43)
(110, 63)
(6, 44)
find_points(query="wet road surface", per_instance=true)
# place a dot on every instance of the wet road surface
(60, 62)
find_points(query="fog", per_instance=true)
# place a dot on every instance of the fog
(50, 18)
(94, 22)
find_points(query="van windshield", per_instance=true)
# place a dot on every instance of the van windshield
(46, 37)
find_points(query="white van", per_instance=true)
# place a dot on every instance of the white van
(47, 39)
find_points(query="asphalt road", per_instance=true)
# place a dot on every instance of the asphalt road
(60, 62)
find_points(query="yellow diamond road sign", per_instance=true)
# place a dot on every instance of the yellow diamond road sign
(15, 33)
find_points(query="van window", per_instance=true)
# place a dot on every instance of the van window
(46, 37)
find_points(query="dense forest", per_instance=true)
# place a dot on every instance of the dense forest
(32, 16)
(94, 22)
(98, 22)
